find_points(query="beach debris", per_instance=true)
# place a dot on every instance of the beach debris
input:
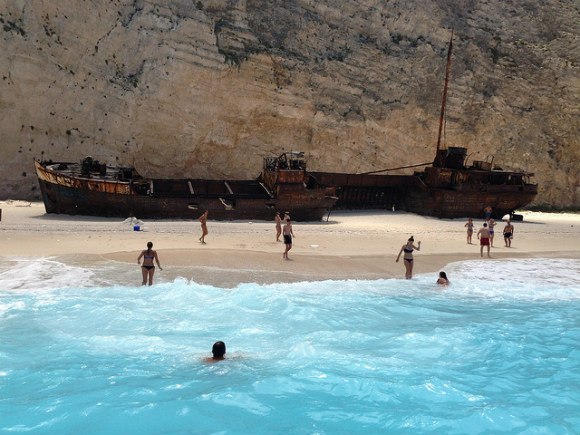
(135, 223)
(17, 203)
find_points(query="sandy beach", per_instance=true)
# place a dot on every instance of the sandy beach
(350, 245)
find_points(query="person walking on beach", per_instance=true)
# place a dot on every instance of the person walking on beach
(483, 236)
(442, 280)
(491, 225)
(508, 234)
(203, 220)
(278, 221)
(408, 249)
(148, 268)
(288, 234)
(469, 226)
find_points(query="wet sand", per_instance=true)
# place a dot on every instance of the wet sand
(350, 245)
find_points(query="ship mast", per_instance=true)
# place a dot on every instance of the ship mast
(444, 99)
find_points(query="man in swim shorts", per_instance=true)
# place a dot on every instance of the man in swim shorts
(484, 236)
(508, 234)
(287, 233)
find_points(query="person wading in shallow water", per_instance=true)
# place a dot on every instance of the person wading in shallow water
(442, 280)
(148, 268)
(408, 249)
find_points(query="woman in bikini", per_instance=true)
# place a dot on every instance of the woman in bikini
(491, 225)
(278, 221)
(148, 268)
(469, 226)
(203, 220)
(408, 249)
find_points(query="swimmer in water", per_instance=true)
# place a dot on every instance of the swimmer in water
(218, 351)
(442, 280)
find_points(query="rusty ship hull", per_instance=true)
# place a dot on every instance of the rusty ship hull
(119, 192)
(455, 193)
(446, 189)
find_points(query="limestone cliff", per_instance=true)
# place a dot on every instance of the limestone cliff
(206, 88)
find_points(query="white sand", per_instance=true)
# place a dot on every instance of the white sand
(351, 245)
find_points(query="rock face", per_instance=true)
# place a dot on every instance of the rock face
(207, 88)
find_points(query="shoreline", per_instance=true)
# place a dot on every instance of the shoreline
(351, 245)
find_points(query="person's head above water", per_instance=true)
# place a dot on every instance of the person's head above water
(218, 350)
(149, 245)
(442, 275)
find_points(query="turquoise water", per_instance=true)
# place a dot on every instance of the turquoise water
(498, 351)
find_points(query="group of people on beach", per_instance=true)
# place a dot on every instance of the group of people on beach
(486, 234)
(285, 230)
(149, 255)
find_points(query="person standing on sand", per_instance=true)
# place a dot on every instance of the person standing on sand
(508, 234)
(469, 226)
(148, 268)
(491, 225)
(483, 236)
(408, 256)
(203, 220)
(288, 234)
(278, 221)
(487, 210)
